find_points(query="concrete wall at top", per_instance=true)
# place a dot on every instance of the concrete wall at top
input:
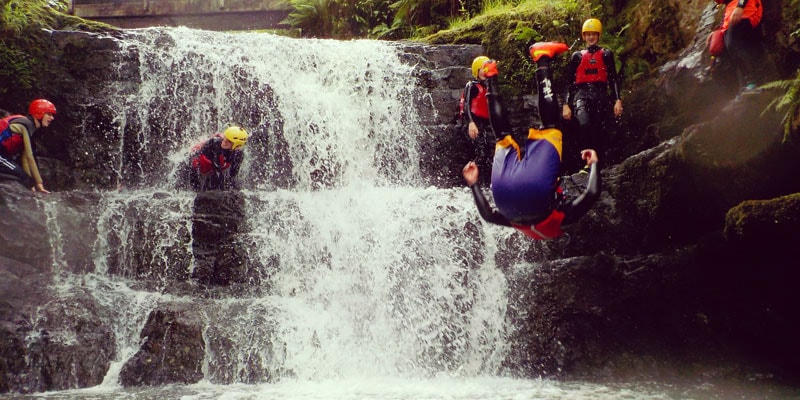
(204, 14)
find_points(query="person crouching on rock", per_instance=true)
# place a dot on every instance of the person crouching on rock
(214, 164)
(16, 143)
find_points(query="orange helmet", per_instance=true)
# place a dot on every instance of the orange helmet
(39, 107)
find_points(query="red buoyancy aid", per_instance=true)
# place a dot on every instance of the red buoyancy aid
(480, 105)
(592, 68)
(10, 142)
(548, 229)
(204, 164)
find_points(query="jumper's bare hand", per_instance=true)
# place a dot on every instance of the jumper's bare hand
(590, 156)
(470, 173)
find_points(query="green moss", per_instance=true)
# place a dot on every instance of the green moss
(763, 218)
(20, 16)
(16, 66)
(507, 31)
(25, 43)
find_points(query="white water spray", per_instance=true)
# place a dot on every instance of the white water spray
(366, 272)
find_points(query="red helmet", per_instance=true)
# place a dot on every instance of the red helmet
(39, 107)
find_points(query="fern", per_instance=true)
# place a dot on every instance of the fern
(312, 17)
(789, 104)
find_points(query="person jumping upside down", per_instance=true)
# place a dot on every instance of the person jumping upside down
(525, 183)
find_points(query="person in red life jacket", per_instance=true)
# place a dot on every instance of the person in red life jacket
(214, 164)
(474, 105)
(592, 74)
(475, 110)
(525, 179)
(742, 39)
(16, 149)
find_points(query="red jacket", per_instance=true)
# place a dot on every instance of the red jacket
(753, 11)
(548, 229)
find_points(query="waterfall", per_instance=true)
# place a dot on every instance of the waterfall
(362, 270)
(342, 111)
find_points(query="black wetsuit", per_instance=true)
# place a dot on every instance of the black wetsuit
(213, 168)
(590, 94)
(743, 41)
(475, 109)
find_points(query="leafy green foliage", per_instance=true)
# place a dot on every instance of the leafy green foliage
(340, 18)
(19, 16)
(789, 103)
(382, 19)
(21, 25)
(312, 17)
(507, 28)
(16, 67)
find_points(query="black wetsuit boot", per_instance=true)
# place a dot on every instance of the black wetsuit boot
(548, 104)
(497, 116)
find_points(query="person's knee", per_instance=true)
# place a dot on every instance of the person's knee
(584, 119)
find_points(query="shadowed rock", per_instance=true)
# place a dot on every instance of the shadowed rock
(172, 350)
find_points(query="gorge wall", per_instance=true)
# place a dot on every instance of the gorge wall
(685, 266)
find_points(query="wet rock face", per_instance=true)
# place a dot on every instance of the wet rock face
(81, 149)
(71, 336)
(172, 350)
(654, 268)
(22, 226)
(49, 341)
(220, 256)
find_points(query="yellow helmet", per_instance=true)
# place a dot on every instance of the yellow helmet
(477, 63)
(236, 135)
(592, 25)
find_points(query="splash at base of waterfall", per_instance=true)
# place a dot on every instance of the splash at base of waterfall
(441, 388)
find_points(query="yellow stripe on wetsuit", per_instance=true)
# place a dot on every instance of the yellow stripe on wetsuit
(552, 135)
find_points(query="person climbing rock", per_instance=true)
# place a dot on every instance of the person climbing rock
(525, 179)
(16, 144)
(214, 164)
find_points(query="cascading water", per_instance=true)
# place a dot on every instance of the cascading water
(368, 272)
(364, 274)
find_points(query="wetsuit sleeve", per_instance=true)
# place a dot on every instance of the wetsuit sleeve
(578, 207)
(469, 92)
(236, 162)
(613, 76)
(572, 71)
(497, 117)
(211, 150)
(27, 161)
(486, 211)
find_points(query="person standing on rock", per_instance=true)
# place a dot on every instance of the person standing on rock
(214, 164)
(16, 148)
(742, 39)
(525, 183)
(594, 81)
(474, 108)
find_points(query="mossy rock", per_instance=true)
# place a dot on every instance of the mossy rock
(775, 221)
